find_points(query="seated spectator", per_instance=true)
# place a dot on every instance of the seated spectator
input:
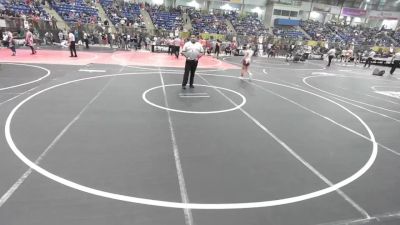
(247, 25)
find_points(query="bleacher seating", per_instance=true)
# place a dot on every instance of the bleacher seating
(27, 8)
(290, 33)
(77, 11)
(396, 35)
(166, 20)
(319, 32)
(247, 25)
(360, 35)
(129, 11)
(213, 24)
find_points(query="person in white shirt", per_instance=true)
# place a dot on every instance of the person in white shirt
(86, 39)
(391, 49)
(170, 46)
(60, 36)
(11, 43)
(248, 53)
(177, 45)
(369, 59)
(71, 41)
(193, 51)
(331, 55)
(396, 62)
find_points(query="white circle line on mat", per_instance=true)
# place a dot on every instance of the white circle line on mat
(181, 205)
(144, 97)
(48, 72)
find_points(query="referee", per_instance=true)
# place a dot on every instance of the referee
(71, 40)
(193, 51)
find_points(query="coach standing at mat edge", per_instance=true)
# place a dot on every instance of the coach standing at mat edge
(193, 51)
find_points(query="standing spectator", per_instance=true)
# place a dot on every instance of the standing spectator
(29, 40)
(125, 41)
(86, 39)
(177, 44)
(217, 48)
(170, 45)
(369, 59)
(331, 55)
(396, 62)
(134, 41)
(60, 36)
(193, 51)
(71, 41)
(147, 43)
(11, 43)
(343, 55)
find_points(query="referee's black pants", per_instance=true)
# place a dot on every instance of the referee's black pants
(190, 67)
(396, 64)
(170, 49)
(176, 51)
(72, 49)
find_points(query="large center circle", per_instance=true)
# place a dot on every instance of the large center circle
(181, 205)
(237, 106)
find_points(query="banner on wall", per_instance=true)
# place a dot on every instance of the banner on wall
(353, 12)
(384, 15)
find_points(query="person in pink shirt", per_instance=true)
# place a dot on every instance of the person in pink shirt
(29, 40)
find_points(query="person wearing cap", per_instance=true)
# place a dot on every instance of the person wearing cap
(29, 40)
(396, 62)
(193, 51)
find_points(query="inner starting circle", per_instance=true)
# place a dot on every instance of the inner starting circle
(238, 106)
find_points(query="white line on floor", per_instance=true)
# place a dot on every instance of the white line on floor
(339, 96)
(382, 217)
(21, 180)
(327, 118)
(294, 154)
(296, 85)
(10, 99)
(92, 71)
(48, 72)
(181, 178)
(368, 110)
(194, 96)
